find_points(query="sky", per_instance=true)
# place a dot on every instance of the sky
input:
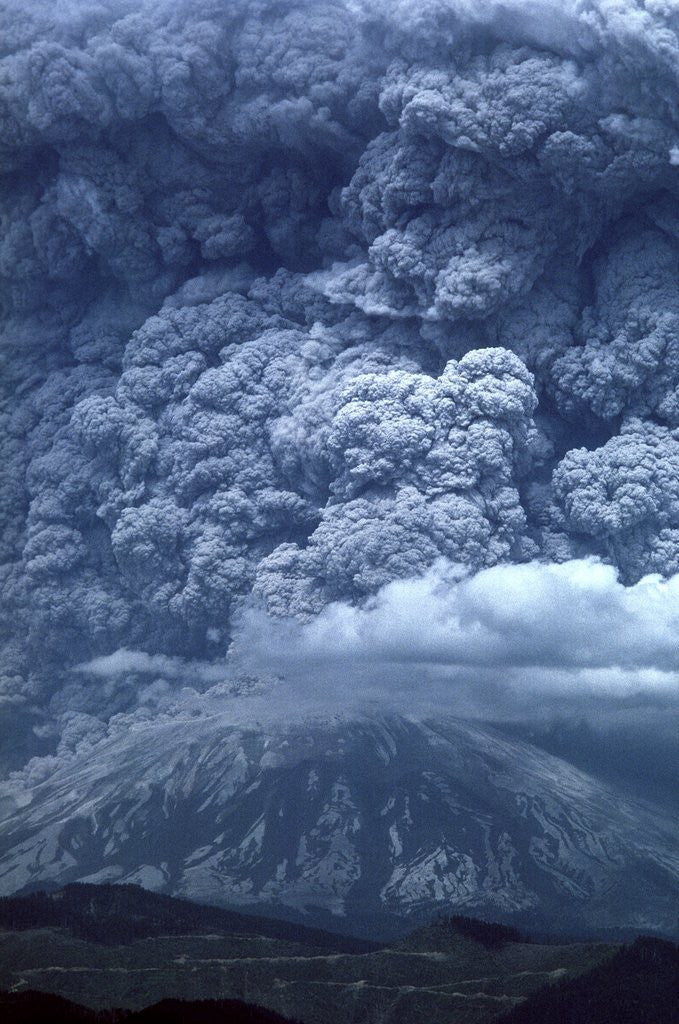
(340, 356)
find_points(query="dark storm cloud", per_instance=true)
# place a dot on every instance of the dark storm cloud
(300, 298)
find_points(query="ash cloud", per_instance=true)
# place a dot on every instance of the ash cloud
(299, 298)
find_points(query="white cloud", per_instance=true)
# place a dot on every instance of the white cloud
(548, 627)
(511, 641)
(127, 662)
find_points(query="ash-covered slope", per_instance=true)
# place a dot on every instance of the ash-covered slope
(357, 816)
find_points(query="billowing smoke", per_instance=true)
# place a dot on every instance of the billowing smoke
(301, 297)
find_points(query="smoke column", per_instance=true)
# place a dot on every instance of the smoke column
(302, 299)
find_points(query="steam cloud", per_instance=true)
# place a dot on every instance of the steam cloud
(300, 297)
(555, 631)
(574, 615)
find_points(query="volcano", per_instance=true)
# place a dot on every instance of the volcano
(348, 819)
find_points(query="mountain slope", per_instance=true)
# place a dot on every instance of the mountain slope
(543, 984)
(124, 913)
(639, 983)
(373, 815)
(30, 1007)
(449, 970)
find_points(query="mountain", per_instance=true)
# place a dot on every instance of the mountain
(640, 983)
(31, 1007)
(450, 969)
(367, 822)
(115, 914)
(453, 969)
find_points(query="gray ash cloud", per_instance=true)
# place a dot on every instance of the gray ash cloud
(299, 298)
